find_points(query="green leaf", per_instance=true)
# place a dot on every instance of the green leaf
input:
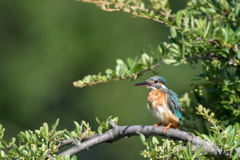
(25, 153)
(68, 137)
(232, 136)
(155, 140)
(130, 63)
(77, 127)
(186, 22)
(97, 120)
(12, 141)
(170, 61)
(151, 13)
(235, 144)
(108, 72)
(207, 29)
(224, 141)
(234, 154)
(189, 148)
(235, 40)
(198, 151)
(57, 134)
(206, 137)
(137, 68)
(143, 139)
(178, 18)
(45, 126)
(234, 34)
(119, 61)
(177, 64)
(100, 128)
(37, 132)
(43, 134)
(168, 145)
(27, 136)
(55, 125)
(74, 157)
(167, 14)
(107, 121)
(228, 129)
(173, 32)
(145, 59)
(238, 54)
(236, 9)
(227, 30)
(45, 154)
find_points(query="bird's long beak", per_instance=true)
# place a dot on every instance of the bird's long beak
(142, 84)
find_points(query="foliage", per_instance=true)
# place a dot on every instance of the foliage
(42, 143)
(227, 138)
(105, 125)
(169, 149)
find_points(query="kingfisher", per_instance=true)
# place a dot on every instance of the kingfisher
(163, 103)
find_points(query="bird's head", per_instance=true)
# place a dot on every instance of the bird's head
(153, 83)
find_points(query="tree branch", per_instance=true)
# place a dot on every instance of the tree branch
(116, 79)
(213, 57)
(117, 6)
(118, 132)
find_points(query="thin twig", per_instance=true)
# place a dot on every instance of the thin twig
(133, 7)
(116, 79)
(213, 57)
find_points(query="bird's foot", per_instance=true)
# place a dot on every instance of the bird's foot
(165, 128)
(158, 124)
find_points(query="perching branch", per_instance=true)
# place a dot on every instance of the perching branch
(118, 132)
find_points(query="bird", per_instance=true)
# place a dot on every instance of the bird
(163, 103)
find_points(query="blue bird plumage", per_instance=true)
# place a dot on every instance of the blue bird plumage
(163, 102)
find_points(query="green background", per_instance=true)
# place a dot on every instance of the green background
(47, 45)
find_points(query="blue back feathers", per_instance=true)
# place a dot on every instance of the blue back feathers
(174, 105)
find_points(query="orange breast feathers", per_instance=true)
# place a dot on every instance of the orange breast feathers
(160, 109)
(156, 97)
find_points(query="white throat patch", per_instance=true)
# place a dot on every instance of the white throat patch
(151, 87)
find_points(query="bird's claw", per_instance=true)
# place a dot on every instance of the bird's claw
(158, 124)
(165, 128)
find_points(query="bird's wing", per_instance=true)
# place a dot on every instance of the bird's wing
(173, 104)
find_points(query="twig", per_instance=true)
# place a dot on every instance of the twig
(98, 3)
(116, 79)
(213, 57)
(68, 142)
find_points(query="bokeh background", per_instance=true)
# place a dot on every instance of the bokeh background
(46, 45)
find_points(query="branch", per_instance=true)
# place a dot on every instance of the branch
(68, 142)
(118, 8)
(119, 132)
(214, 57)
(116, 79)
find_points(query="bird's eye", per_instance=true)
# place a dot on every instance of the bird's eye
(156, 81)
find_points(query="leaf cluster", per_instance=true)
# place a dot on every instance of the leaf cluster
(227, 138)
(105, 125)
(168, 149)
(42, 143)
